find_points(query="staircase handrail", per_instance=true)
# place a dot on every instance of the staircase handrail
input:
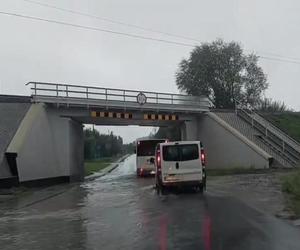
(249, 111)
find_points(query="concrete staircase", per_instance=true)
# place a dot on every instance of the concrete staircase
(284, 150)
(12, 111)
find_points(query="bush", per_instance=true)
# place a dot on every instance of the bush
(291, 184)
(271, 106)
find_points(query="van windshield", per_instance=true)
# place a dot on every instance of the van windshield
(185, 152)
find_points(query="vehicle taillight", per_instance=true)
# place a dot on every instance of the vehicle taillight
(158, 160)
(202, 157)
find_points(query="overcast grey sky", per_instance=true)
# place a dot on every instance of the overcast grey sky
(31, 50)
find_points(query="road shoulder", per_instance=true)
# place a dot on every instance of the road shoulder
(262, 192)
(106, 170)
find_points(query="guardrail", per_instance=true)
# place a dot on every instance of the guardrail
(66, 91)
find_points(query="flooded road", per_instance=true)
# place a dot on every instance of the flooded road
(120, 211)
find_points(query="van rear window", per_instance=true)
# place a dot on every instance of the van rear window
(185, 152)
(147, 148)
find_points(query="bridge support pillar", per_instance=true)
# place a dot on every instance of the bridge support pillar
(189, 130)
(183, 131)
(48, 147)
(228, 148)
(225, 147)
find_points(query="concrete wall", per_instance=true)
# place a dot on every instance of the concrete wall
(46, 145)
(183, 132)
(224, 147)
(11, 116)
(189, 130)
(4, 169)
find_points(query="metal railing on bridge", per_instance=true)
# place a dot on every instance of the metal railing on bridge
(94, 96)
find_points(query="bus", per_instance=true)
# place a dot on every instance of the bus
(145, 156)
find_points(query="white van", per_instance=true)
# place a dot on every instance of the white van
(180, 163)
(145, 156)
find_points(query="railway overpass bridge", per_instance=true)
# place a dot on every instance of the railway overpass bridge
(42, 135)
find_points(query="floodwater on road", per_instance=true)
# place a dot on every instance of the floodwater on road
(121, 211)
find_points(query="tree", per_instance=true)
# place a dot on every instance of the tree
(129, 148)
(98, 145)
(224, 73)
(89, 144)
(255, 82)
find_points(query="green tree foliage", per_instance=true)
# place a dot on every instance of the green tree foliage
(271, 106)
(254, 80)
(129, 148)
(98, 145)
(224, 73)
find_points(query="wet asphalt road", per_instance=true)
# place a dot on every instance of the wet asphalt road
(119, 211)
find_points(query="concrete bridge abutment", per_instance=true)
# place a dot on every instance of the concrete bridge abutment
(225, 147)
(48, 146)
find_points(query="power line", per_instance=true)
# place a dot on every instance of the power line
(123, 33)
(112, 21)
(279, 59)
(264, 55)
(96, 29)
(268, 54)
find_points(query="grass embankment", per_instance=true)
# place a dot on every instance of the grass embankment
(291, 185)
(92, 166)
(289, 122)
